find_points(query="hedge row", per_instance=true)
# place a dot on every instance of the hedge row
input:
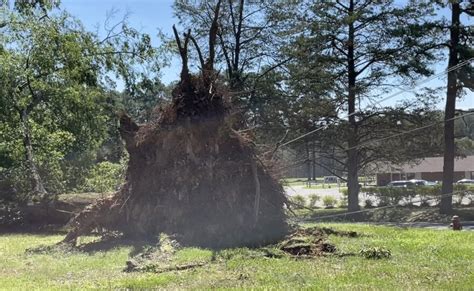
(423, 194)
(409, 195)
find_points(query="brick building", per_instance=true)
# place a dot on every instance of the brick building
(430, 169)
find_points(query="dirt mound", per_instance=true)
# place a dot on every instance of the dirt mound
(308, 242)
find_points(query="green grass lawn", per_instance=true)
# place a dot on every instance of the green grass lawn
(421, 259)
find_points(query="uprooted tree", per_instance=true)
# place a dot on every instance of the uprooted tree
(190, 174)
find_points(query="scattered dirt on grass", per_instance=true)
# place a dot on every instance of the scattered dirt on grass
(52, 249)
(302, 243)
(157, 258)
(163, 254)
(309, 242)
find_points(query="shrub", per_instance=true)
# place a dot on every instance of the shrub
(313, 199)
(344, 192)
(426, 194)
(463, 191)
(104, 177)
(368, 203)
(299, 201)
(17, 181)
(329, 201)
(375, 253)
(10, 214)
(344, 199)
(390, 195)
(342, 204)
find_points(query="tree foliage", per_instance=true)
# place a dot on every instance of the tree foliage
(53, 94)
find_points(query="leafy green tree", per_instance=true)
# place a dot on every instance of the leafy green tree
(141, 99)
(53, 84)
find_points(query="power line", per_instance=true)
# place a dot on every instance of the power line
(464, 63)
(395, 135)
(408, 131)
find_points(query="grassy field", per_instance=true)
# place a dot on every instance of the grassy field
(426, 259)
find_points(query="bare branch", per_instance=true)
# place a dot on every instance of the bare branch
(212, 37)
(183, 51)
(201, 59)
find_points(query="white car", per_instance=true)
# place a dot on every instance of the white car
(410, 183)
(465, 181)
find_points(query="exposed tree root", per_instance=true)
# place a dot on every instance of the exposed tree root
(190, 174)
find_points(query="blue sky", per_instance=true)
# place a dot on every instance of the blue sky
(149, 16)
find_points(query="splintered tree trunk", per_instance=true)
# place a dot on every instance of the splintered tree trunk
(36, 181)
(452, 91)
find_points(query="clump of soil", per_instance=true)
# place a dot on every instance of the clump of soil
(151, 258)
(309, 242)
(191, 175)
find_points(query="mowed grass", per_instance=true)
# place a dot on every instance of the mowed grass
(421, 259)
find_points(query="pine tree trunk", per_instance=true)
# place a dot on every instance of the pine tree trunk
(308, 163)
(314, 161)
(449, 146)
(352, 154)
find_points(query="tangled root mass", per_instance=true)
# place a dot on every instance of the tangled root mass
(191, 175)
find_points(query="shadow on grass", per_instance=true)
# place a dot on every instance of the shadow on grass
(104, 245)
(35, 229)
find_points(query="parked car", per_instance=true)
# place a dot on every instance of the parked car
(401, 184)
(330, 179)
(465, 181)
(410, 183)
(420, 182)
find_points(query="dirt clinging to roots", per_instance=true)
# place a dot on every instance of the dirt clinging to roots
(191, 175)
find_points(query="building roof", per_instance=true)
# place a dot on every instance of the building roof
(434, 164)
